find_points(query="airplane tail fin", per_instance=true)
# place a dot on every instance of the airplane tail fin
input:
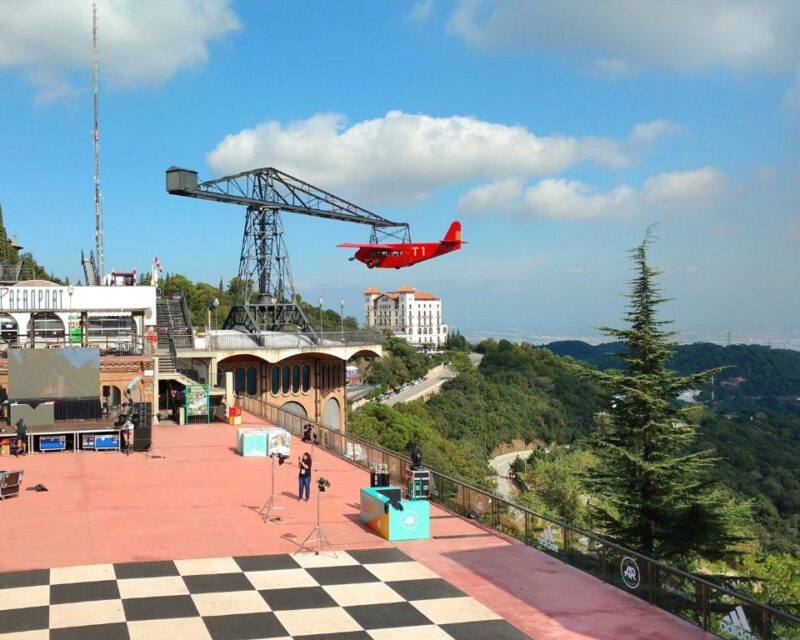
(453, 235)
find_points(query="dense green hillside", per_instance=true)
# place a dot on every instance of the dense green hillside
(766, 371)
(519, 392)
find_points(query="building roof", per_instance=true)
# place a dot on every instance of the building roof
(406, 288)
(370, 290)
(421, 295)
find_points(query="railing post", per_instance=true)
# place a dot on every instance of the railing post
(704, 606)
(652, 571)
(527, 528)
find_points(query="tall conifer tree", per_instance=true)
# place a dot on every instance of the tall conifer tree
(656, 492)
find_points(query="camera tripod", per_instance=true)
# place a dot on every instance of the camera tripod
(317, 535)
(269, 506)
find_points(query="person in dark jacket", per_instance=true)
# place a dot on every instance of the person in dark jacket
(22, 437)
(304, 476)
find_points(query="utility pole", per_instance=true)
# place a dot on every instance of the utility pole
(98, 206)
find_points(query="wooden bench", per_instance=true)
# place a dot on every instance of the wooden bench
(9, 483)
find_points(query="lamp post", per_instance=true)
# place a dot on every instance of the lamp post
(341, 315)
(70, 291)
(215, 304)
(320, 314)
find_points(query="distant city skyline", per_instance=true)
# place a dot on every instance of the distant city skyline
(556, 135)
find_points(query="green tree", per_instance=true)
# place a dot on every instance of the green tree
(656, 492)
(6, 252)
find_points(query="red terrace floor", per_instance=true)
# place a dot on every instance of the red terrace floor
(200, 499)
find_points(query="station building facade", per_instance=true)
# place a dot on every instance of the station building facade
(150, 353)
(38, 314)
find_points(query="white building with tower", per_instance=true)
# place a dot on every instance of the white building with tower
(408, 313)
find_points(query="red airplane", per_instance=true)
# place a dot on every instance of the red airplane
(404, 254)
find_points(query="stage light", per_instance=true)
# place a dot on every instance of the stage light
(416, 456)
(281, 458)
(322, 483)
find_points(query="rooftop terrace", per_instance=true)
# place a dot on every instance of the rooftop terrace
(193, 497)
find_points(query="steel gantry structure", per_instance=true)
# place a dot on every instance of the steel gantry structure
(264, 259)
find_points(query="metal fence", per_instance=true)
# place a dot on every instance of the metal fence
(710, 606)
(108, 346)
(279, 340)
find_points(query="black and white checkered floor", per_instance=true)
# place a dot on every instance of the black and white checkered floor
(358, 595)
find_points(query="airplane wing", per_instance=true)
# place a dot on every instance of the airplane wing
(355, 245)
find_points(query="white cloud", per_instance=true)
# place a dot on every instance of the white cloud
(403, 157)
(573, 199)
(618, 37)
(675, 192)
(689, 190)
(140, 41)
(421, 11)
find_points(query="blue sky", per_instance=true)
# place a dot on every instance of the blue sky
(556, 132)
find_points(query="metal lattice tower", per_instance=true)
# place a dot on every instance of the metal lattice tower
(264, 258)
(268, 300)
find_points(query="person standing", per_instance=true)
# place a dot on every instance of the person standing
(22, 437)
(304, 476)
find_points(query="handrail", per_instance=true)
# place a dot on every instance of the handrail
(765, 621)
(280, 340)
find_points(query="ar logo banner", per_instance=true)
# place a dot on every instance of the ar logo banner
(409, 521)
(630, 573)
(547, 539)
(735, 625)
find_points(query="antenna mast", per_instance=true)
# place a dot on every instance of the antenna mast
(98, 206)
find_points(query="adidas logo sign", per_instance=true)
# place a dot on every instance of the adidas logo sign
(548, 540)
(735, 625)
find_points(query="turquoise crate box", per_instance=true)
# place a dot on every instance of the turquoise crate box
(252, 443)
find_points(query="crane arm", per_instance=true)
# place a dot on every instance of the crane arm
(271, 188)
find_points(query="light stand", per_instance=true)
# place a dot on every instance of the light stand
(317, 535)
(270, 506)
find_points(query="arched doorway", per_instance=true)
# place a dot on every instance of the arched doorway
(296, 409)
(293, 422)
(331, 415)
(112, 399)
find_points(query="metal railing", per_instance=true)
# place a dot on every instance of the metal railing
(117, 346)
(277, 340)
(709, 606)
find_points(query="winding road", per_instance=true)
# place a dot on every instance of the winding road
(502, 465)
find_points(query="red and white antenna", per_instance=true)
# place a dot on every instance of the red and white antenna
(98, 205)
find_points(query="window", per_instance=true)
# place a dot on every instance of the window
(111, 327)
(252, 381)
(238, 383)
(48, 325)
(295, 378)
(285, 379)
(276, 380)
(306, 378)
